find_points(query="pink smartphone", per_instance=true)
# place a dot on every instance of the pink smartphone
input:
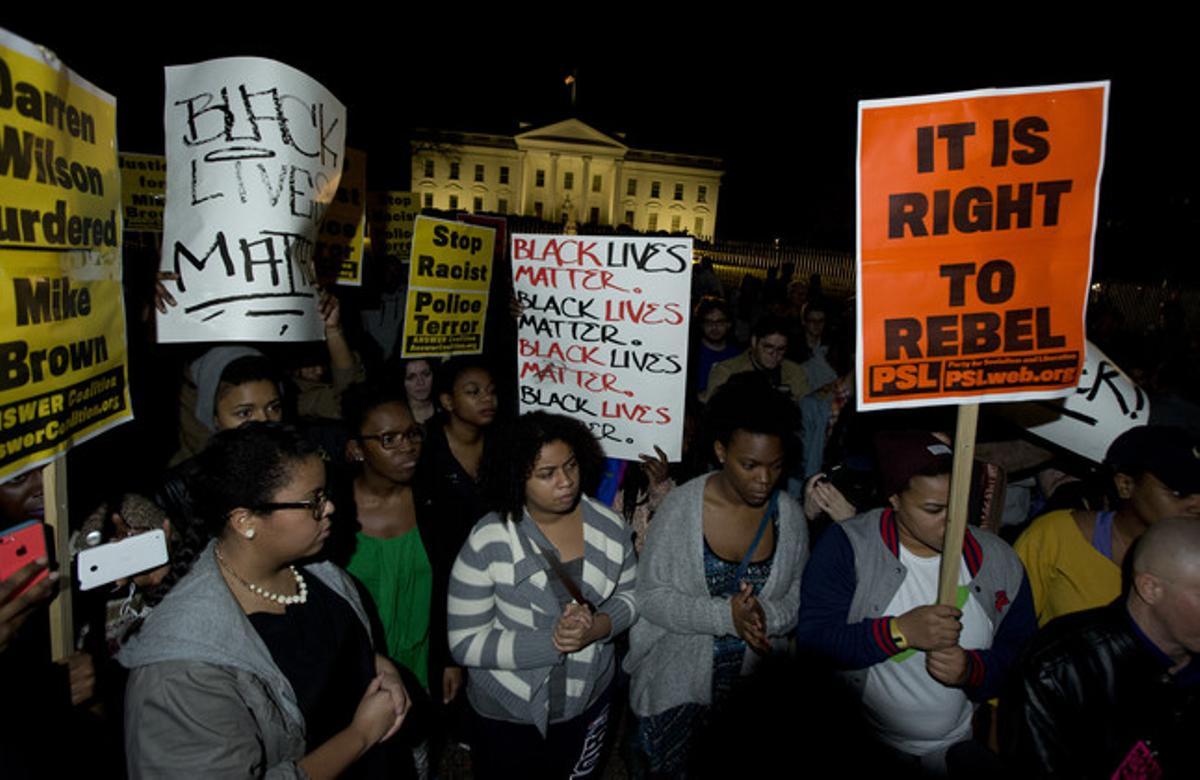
(21, 545)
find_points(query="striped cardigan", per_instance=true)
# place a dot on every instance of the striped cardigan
(502, 611)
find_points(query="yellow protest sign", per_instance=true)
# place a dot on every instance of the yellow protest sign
(448, 281)
(339, 246)
(143, 191)
(59, 183)
(62, 353)
(392, 217)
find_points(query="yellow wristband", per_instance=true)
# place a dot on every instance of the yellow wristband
(897, 635)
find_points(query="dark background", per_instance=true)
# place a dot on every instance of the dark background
(775, 99)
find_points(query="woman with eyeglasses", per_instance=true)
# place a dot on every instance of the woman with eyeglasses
(390, 557)
(259, 662)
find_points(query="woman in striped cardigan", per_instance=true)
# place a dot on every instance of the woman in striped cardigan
(537, 595)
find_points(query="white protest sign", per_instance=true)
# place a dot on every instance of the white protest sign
(254, 153)
(1104, 405)
(603, 335)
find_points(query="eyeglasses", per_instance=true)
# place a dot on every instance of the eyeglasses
(390, 440)
(316, 505)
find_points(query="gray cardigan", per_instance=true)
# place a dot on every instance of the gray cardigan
(204, 696)
(671, 647)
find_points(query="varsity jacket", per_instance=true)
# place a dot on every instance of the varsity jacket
(855, 571)
(502, 610)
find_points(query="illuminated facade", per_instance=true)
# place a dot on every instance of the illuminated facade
(567, 169)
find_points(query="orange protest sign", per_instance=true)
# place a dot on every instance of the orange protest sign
(976, 219)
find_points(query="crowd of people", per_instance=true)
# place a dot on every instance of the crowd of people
(374, 561)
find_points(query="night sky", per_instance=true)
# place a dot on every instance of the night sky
(778, 107)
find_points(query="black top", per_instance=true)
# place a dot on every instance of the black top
(323, 649)
(450, 503)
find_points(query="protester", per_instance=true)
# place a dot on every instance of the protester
(457, 456)
(540, 590)
(234, 386)
(719, 578)
(768, 345)
(418, 387)
(1074, 557)
(379, 505)
(253, 665)
(1115, 691)
(869, 604)
(382, 504)
(712, 342)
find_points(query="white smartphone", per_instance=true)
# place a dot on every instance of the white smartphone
(110, 562)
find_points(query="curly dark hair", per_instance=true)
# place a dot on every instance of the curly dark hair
(748, 402)
(530, 433)
(244, 467)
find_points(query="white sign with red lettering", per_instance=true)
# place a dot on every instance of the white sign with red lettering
(603, 335)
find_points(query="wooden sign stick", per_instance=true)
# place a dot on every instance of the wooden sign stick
(62, 620)
(960, 494)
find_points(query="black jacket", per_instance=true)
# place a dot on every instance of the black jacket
(1091, 694)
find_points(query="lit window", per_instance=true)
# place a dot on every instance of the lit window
(675, 224)
(652, 222)
(699, 231)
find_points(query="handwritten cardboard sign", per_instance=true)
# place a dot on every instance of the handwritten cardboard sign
(603, 335)
(448, 282)
(254, 156)
(977, 214)
(1104, 405)
(143, 191)
(339, 250)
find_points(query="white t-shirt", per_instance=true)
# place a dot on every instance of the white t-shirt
(910, 710)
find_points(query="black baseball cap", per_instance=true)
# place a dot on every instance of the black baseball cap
(1169, 453)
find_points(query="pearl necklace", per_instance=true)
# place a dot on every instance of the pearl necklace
(301, 586)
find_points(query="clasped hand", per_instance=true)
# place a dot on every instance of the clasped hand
(574, 630)
(749, 620)
(382, 709)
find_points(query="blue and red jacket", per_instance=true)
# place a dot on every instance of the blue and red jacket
(854, 572)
